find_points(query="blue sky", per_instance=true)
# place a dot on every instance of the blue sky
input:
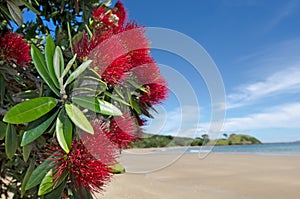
(255, 45)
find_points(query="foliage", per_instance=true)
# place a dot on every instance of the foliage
(74, 84)
(152, 141)
(197, 142)
(238, 139)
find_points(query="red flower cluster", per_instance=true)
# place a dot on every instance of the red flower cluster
(107, 18)
(119, 50)
(156, 92)
(98, 144)
(122, 131)
(116, 134)
(14, 49)
(88, 162)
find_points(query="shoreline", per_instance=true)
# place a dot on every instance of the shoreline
(217, 176)
(193, 150)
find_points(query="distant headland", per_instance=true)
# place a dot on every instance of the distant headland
(152, 141)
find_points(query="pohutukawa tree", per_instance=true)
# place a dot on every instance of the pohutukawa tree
(76, 82)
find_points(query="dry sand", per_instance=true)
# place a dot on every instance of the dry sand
(218, 176)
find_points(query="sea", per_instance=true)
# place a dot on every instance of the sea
(289, 149)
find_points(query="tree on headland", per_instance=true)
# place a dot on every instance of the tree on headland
(205, 138)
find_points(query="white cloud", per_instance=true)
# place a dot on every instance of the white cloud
(282, 82)
(274, 71)
(186, 123)
(283, 116)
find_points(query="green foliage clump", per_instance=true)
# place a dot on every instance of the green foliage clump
(238, 139)
(154, 141)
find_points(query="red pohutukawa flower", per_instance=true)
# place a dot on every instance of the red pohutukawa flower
(146, 74)
(14, 49)
(110, 18)
(98, 144)
(123, 130)
(120, 11)
(110, 59)
(140, 57)
(120, 50)
(87, 164)
(115, 49)
(157, 91)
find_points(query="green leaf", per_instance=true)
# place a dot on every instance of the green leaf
(93, 83)
(29, 6)
(26, 177)
(97, 105)
(30, 110)
(78, 118)
(78, 71)
(107, 108)
(117, 91)
(33, 134)
(49, 55)
(58, 62)
(30, 94)
(112, 96)
(137, 86)
(68, 67)
(46, 185)
(135, 105)
(15, 12)
(96, 74)
(5, 11)
(11, 140)
(39, 121)
(60, 132)
(68, 130)
(89, 31)
(70, 37)
(26, 151)
(38, 174)
(86, 92)
(40, 64)
(146, 112)
(87, 102)
(2, 130)
(56, 193)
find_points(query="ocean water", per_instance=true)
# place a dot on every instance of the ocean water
(263, 149)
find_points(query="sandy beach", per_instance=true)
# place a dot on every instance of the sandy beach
(217, 176)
